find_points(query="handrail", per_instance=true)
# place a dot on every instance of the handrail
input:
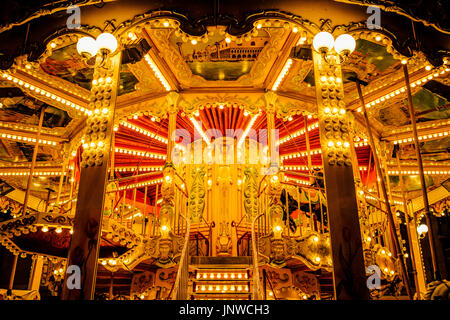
(210, 226)
(233, 223)
(256, 283)
(183, 260)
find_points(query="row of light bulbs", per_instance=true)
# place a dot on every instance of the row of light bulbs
(140, 169)
(439, 72)
(140, 153)
(369, 197)
(319, 151)
(35, 173)
(301, 154)
(140, 184)
(297, 181)
(144, 132)
(282, 74)
(157, 72)
(58, 230)
(220, 275)
(222, 288)
(416, 172)
(27, 139)
(45, 93)
(298, 133)
(423, 137)
(199, 129)
(247, 130)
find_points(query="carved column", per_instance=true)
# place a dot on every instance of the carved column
(272, 136)
(167, 211)
(348, 263)
(85, 244)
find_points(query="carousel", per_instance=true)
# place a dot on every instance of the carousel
(174, 154)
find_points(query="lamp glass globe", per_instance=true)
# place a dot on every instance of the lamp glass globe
(344, 43)
(323, 41)
(87, 45)
(107, 41)
(422, 229)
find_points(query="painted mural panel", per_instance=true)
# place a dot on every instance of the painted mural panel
(220, 58)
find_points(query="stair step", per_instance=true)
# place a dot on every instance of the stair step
(225, 262)
(221, 297)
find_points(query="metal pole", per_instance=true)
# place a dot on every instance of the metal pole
(47, 201)
(111, 287)
(399, 253)
(13, 273)
(436, 273)
(408, 229)
(33, 161)
(61, 180)
(143, 213)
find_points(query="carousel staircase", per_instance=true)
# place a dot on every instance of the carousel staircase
(221, 278)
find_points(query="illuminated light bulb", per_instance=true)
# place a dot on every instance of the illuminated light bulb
(87, 45)
(294, 29)
(239, 276)
(346, 144)
(383, 251)
(225, 276)
(165, 24)
(326, 110)
(58, 230)
(205, 276)
(428, 68)
(422, 229)
(211, 275)
(44, 229)
(104, 262)
(317, 259)
(259, 26)
(377, 38)
(232, 276)
(389, 254)
(345, 44)
(315, 239)
(323, 42)
(323, 78)
(342, 111)
(330, 143)
(228, 40)
(369, 239)
(106, 41)
(404, 61)
(194, 42)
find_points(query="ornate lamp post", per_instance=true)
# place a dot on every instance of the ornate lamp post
(334, 124)
(102, 55)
